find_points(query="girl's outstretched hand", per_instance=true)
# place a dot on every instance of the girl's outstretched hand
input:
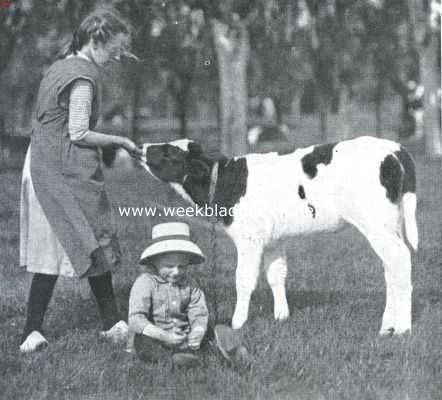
(134, 150)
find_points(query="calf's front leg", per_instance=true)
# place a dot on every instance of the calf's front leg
(247, 272)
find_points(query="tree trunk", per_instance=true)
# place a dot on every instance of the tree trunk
(181, 93)
(182, 114)
(378, 116)
(2, 140)
(407, 125)
(132, 114)
(345, 113)
(378, 104)
(133, 105)
(278, 110)
(431, 80)
(232, 48)
(323, 113)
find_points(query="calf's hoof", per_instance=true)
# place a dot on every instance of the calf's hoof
(237, 323)
(281, 315)
(393, 331)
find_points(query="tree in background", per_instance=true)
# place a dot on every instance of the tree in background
(379, 40)
(396, 58)
(229, 21)
(38, 31)
(337, 45)
(141, 14)
(343, 38)
(278, 70)
(12, 20)
(350, 59)
(169, 38)
(179, 41)
(329, 35)
(429, 13)
(405, 47)
(320, 46)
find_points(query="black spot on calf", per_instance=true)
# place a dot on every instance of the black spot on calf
(232, 185)
(321, 154)
(301, 192)
(391, 177)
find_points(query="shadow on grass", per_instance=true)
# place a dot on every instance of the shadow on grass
(301, 299)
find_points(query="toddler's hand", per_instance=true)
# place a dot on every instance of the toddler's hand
(174, 339)
(177, 327)
(195, 337)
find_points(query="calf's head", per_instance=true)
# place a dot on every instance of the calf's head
(180, 162)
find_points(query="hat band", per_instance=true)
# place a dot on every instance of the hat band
(170, 237)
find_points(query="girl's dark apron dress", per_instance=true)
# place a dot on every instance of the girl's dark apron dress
(65, 223)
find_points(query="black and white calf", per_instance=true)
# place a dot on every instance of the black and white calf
(367, 182)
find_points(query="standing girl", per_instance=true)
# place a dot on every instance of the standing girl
(65, 219)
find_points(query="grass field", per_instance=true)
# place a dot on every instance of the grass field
(328, 349)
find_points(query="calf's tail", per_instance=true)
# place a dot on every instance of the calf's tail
(409, 215)
(409, 199)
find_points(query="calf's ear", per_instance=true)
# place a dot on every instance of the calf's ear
(194, 148)
(198, 169)
(216, 155)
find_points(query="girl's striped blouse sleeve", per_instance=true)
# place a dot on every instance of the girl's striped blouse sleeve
(80, 108)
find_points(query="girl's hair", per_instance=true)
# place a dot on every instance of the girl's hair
(100, 26)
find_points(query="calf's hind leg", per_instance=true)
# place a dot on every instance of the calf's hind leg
(275, 265)
(396, 259)
(397, 267)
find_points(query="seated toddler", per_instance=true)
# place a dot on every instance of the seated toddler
(168, 314)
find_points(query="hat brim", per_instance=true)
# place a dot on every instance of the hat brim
(173, 246)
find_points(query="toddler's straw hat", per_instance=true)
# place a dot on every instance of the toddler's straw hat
(172, 237)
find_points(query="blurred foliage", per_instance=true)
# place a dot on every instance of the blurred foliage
(366, 45)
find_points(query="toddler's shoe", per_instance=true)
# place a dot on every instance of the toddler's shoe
(117, 334)
(35, 341)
